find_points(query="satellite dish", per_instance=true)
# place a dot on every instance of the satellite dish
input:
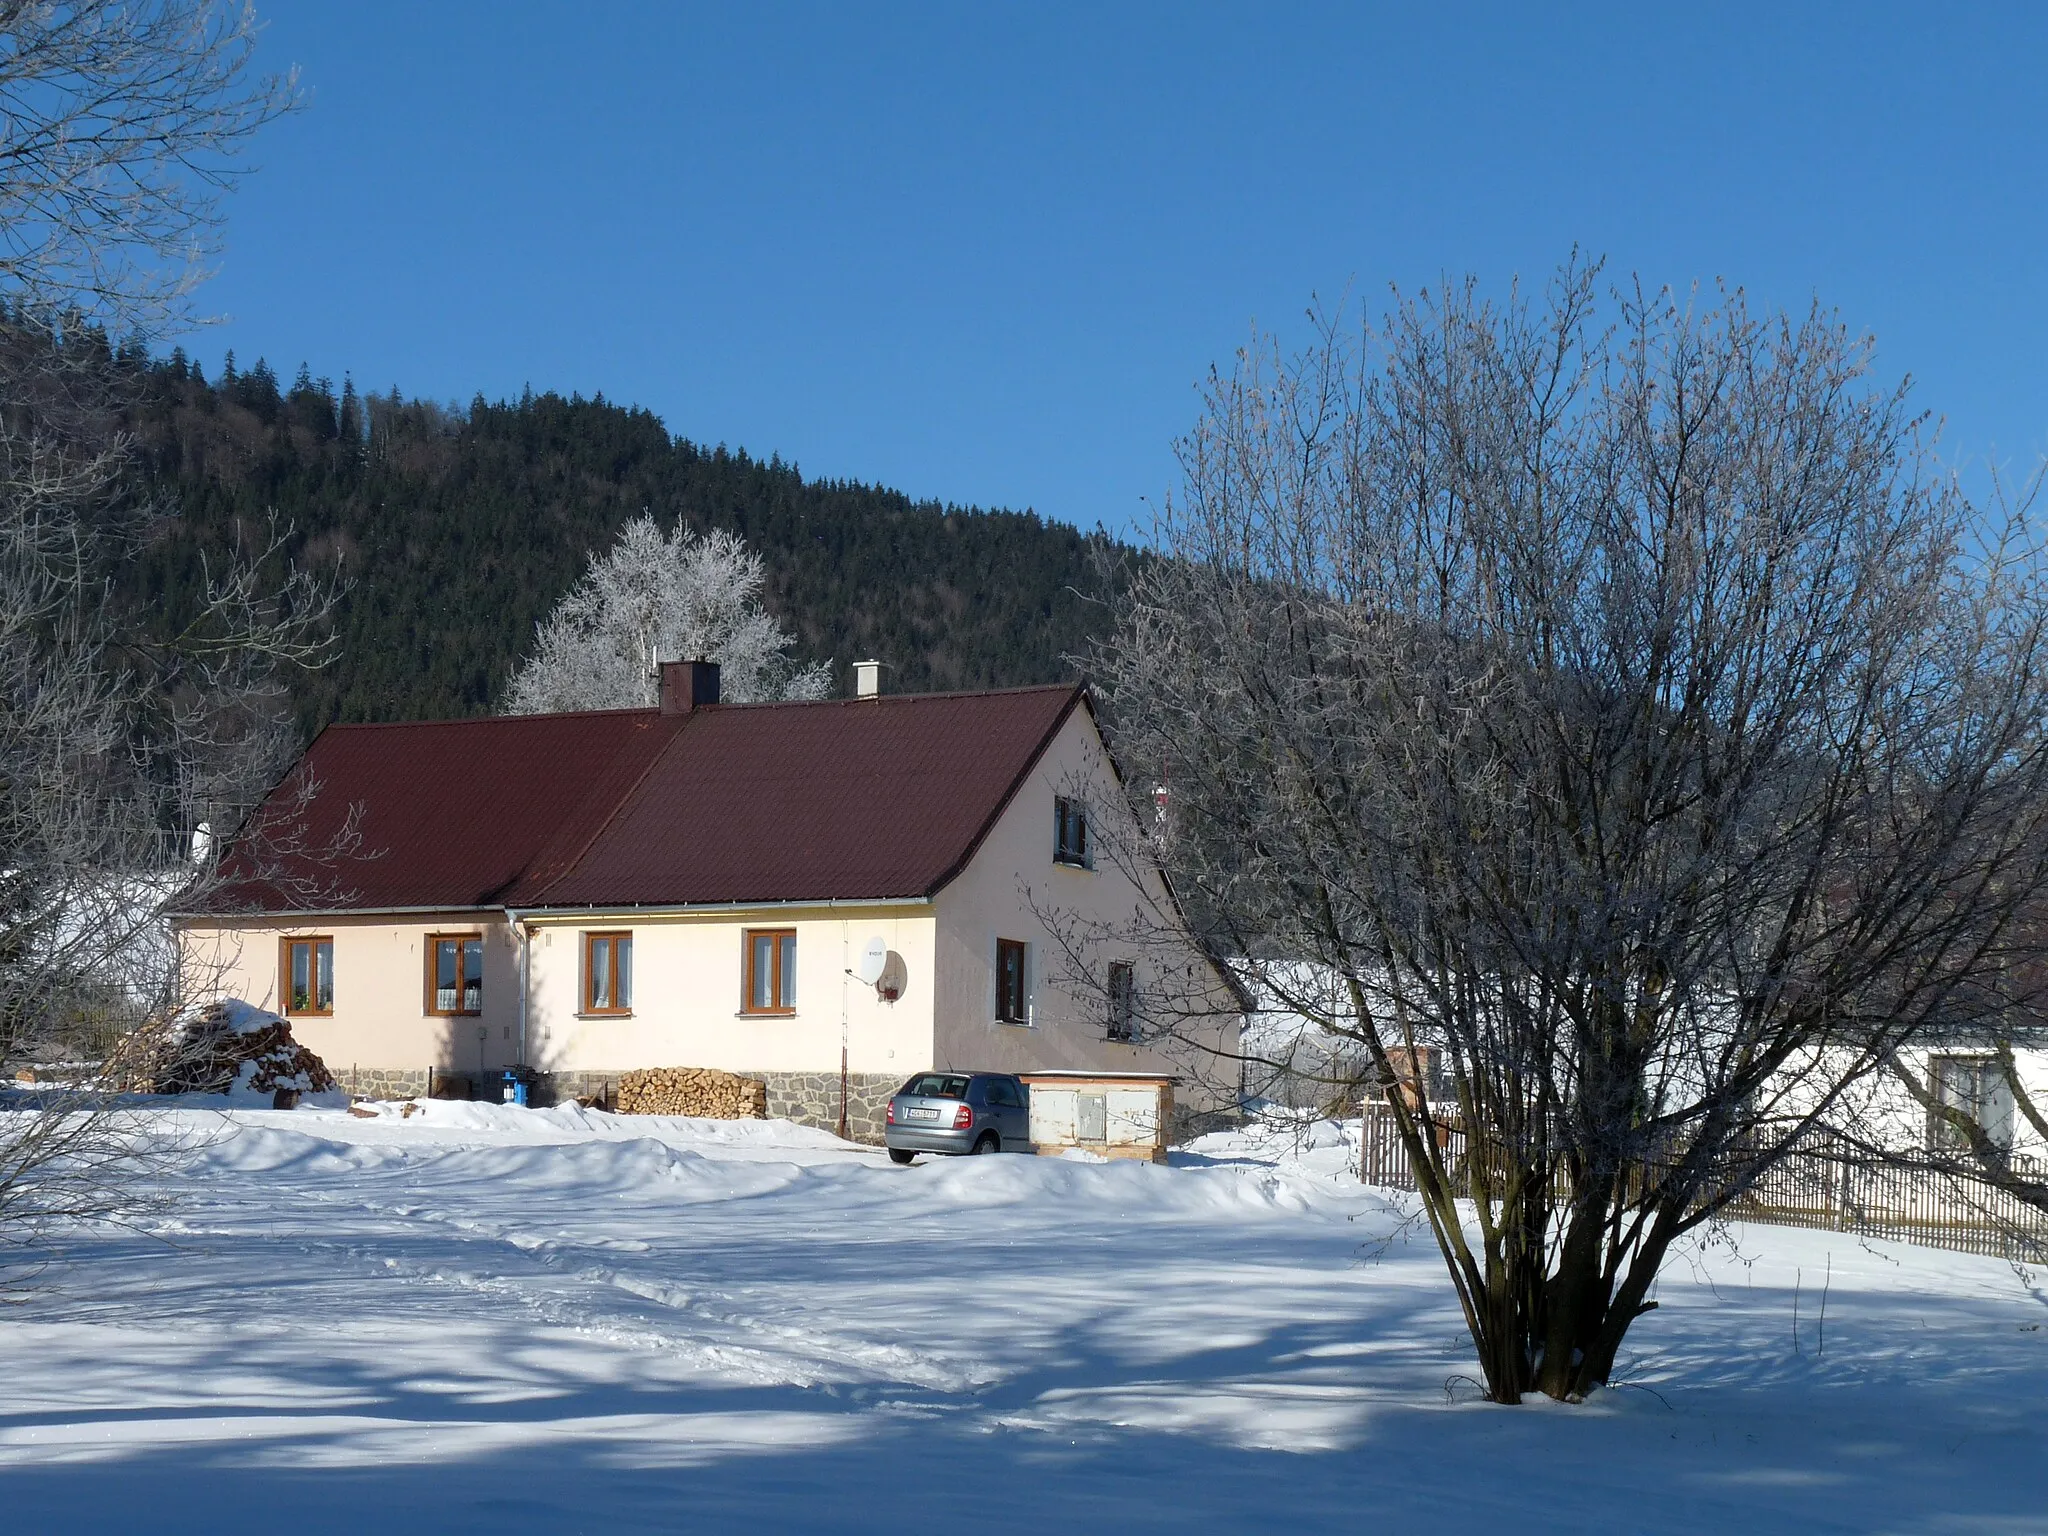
(873, 960)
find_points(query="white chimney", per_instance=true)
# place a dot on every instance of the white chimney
(867, 679)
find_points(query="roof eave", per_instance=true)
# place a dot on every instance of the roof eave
(706, 908)
(315, 914)
(564, 913)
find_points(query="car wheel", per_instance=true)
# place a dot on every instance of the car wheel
(900, 1154)
(988, 1143)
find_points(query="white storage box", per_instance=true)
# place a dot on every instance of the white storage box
(1115, 1114)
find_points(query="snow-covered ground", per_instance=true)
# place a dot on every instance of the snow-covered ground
(495, 1320)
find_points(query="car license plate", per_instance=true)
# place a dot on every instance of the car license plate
(924, 1114)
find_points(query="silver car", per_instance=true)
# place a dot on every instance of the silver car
(958, 1112)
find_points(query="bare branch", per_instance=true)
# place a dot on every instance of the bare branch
(121, 124)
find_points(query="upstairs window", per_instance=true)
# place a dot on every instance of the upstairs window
(771, 970)
(1123, 1000)
(1070, 832)
(309, 977)
(455, 975)
(1012, 1005)
(608, 973)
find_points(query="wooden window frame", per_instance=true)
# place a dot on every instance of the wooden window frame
(617, 1009)
(1077, 855)
(434, 943)
(284, 975)
(1022, 950)
(777, 989)
(1123, 1002)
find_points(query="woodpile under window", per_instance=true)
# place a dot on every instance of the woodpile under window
(703, 1093)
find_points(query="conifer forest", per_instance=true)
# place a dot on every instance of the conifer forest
(454, 530)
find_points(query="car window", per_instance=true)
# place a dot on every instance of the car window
(937, 1085)
(1002, 1091)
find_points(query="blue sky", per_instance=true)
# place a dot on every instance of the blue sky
(985, 253)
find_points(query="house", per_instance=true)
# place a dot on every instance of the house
(1291, 1059)
(701, 884)
(1961, 1071)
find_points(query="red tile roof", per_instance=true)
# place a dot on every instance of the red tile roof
(856, 799)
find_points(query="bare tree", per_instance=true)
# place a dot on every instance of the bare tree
(655, 596)
(120, 123)
(1602, 706)
(119, 742)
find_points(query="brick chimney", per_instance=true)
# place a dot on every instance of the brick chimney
(688, 685)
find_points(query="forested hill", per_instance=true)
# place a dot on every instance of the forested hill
(459, 530)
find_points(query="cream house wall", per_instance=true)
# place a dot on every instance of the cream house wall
(688, 972)
(1010, 880)
(380, 1019)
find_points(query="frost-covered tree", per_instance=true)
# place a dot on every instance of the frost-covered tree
(656, 597)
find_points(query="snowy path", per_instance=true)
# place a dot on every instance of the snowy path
(492, 1320)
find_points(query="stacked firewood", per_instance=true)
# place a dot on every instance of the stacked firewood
(702, 1092)
(223, 1046)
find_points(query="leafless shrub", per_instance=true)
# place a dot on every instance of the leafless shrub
(1612, 699)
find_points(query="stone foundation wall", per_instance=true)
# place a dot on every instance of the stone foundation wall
(400, 1083)
(812, 1098)
(808, 1098)
(543, 1088)
(382, 1082)
(567, 1087)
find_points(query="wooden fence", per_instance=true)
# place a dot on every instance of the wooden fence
(1826, 1186)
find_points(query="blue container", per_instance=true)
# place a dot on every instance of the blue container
(515, 1089)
